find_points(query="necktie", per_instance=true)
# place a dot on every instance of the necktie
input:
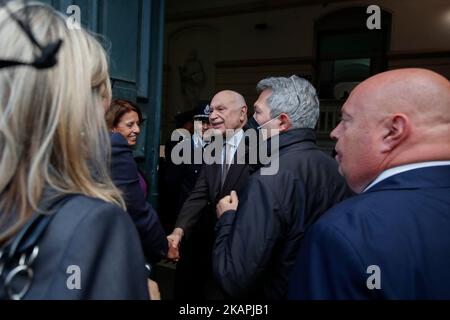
(225, 162)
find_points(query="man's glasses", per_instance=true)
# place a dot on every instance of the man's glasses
(48, 53)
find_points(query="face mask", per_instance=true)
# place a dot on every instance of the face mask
(258, 128)
(253, 124)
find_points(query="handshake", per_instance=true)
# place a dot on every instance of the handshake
(174, 239)
(227, 203)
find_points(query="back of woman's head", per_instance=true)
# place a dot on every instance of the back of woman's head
(52, 130)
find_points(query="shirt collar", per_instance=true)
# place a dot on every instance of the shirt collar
(396, 170)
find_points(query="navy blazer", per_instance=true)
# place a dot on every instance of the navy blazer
(98, 239)
(125, 176)
(401, 225)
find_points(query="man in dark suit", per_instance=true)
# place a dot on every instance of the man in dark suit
(392, 241)
(228, 112)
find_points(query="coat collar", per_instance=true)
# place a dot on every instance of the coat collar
(428, 177)
(291, 137)
(294, 136)
(307, 137)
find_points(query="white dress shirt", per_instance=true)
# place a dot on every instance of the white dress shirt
(232, 145)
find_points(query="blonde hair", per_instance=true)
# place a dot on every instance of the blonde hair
(52, 128)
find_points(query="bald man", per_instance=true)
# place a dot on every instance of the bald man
(228, 116)
(392, 241)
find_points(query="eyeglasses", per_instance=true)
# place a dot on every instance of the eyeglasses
(48, 53)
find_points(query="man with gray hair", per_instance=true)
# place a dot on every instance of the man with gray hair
(258, 239)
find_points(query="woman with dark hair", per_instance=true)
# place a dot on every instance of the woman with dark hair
(123, 119)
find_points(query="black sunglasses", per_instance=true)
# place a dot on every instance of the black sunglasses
(48, 53)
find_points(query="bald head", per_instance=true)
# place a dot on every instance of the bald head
(228, 111)
(420, 93)
(233, 98)
(391, 119)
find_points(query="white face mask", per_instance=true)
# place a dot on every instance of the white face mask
(258, 128)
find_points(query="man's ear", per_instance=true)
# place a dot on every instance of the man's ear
(396, 129)
(285, 122)
(243, 115)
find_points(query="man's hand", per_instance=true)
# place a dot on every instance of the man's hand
(173, 254)
(227, 203)
(174, 244)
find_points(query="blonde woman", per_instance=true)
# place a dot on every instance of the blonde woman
(54, 148)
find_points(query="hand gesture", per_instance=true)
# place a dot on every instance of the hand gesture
(227, 203)
(174, 240)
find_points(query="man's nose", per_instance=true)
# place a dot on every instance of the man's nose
(334, 133)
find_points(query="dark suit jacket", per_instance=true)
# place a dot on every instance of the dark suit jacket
(209, 190)
(101, 240)
(401, 225)
(125, 176)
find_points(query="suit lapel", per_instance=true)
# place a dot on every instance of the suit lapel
(234, 173)
(236, 169)
(215, 179)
